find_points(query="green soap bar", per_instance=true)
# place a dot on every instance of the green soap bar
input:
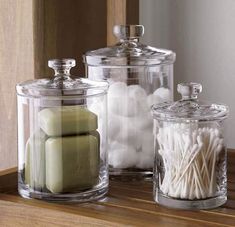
(67, 120)
(97, 135)
(35, 161)
(72, 163)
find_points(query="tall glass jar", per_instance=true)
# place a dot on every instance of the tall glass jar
(139, 76)
(190, 162)
(62, 137)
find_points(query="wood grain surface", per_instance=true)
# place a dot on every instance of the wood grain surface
(67, 29)
(116, 14)
(120, 12)
(16, 65)
(127, 204)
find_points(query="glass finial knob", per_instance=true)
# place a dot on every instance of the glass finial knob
(62, 66)
(128, 31)
(189, 90)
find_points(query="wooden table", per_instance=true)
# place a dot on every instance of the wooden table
(126, 204)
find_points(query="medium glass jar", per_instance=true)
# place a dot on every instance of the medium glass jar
(139, 76)
(190, 152)
(62, 137)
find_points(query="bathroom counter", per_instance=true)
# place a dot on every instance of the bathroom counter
(127, 204)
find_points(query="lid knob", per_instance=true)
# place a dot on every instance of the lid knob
(128, 31)
(189, 90)
(62, 66)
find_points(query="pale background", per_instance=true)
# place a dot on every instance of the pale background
(202, 33)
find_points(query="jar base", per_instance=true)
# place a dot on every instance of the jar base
(130, 174)
(202, 204)
(80, 197)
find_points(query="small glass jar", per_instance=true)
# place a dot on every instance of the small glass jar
(139, 76)
(62, 137)
(190, 162)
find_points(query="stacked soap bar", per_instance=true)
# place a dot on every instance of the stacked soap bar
(69, 157)
(67, 120)
(131, 142)
(35, 161)
(72, 163)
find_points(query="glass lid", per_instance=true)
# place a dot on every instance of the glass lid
(189, 107)
(63, 84)
(128, 51)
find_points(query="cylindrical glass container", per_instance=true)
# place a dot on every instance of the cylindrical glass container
(190, 152)
(139, 76)
(62, 137)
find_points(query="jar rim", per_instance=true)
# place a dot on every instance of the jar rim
(82, 88)
(190, 108)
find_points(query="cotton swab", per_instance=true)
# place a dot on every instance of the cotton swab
(189, 156)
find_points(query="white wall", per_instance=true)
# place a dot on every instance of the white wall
(202, 33)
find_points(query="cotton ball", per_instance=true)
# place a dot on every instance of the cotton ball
(115, 105)
(144, 121)
(128, 133)
(113, 126)
(143, 107)
(117, 89)
(119, 102)
(153, 99)
(163, 93)
(130, 107)
(137, 92)
(123, 106)
(146, 154)
(148, 142)
(116, 97)
(122, 156)
(127, 101)
(145, 161)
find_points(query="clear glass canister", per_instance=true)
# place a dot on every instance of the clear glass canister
(190, 152)
(139, 76)
(62, 137)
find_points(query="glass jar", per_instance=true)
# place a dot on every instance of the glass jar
(62, 137)
(139, 76)
(190, 152)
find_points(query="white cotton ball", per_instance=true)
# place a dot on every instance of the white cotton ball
(145, 161)
(144, 108)
(122, 156)
(117, 89)
(153, 99)
(113, 126)
(144, 121)
(163, 93)
(115, 105)
(123, 106)
(137, 92)
(146, 153)
(128, 133)
(127, 101)
(116, 97)
(148, 142)
(130, 108)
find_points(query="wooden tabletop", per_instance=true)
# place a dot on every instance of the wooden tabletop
(127, 204)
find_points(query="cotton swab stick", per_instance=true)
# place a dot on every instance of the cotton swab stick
(189, 155)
